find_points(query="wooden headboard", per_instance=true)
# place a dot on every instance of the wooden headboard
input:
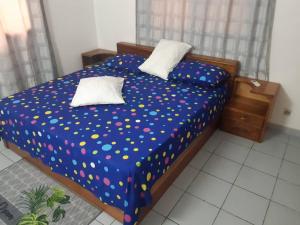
(231, 66)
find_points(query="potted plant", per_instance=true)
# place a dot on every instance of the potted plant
(44, 204)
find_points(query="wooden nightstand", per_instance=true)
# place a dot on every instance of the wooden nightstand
(96, 56)
(249, 109)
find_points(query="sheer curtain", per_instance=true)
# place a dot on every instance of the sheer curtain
(26, 57)
(235, 29)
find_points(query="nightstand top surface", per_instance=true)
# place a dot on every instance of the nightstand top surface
(267, 88)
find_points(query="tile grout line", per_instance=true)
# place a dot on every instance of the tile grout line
(286, 206)
(243, 165)
(276, 157)
(221, 208)
(277, 177)
(1, 153)
(289, 182)
(13, 163)
(237, 217)
(97, 217)
(231, 184)
(292, 162)
(166, 218)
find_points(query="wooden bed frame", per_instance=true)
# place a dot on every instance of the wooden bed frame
(161, 186)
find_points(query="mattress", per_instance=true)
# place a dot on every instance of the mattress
(115, 151)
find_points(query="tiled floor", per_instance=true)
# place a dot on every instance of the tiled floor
(232, 181)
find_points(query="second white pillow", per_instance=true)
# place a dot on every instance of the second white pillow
(166, 55)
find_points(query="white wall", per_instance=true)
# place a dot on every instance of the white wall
(73, 29)
(115, 21)
(285, 62)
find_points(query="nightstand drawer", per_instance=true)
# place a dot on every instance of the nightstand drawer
(240, 128)
(244, 118)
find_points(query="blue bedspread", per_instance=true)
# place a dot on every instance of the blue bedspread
(115, 151)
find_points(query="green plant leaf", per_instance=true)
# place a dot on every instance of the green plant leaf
(33, 219)
(58, 196)
(65, 200)
(59, 193)
(50, 203)
(35, 200)
(58, 214)
(43, 218)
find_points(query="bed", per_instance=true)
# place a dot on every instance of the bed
(121, 158)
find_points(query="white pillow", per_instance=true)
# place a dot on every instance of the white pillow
(166, 55)
(98, 90)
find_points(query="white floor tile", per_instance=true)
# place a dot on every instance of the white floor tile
(212, 142)
(4, 162)
(95, 222)
(105, 218)
(222, 168)
(293, 154)
(263, 162)
(276, 135)
(168, 201)
(290, 172)
(295, 141)
(11, 155)
(239, 140)
(271, 147)
(287, 194)
(169, 222)
(210, 189)
(200, 159)
(191, 210)
(256, 181)
(185, 178)
(246, 205)
(280, 215)
(232, 151)
(225, 218)
(153, 218)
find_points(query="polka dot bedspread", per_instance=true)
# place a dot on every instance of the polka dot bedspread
(115, 151)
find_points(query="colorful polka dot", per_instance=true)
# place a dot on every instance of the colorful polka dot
(144, 187)
(106, 181)
(152, 113)
(106, 147)
(53, 121)
(83, 143)
(95, 136)
(149, 176)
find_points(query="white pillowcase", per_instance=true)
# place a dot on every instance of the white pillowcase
(99, 90)
(166, 55)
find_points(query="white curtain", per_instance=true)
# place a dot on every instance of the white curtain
(26, 57)
(235, 29)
